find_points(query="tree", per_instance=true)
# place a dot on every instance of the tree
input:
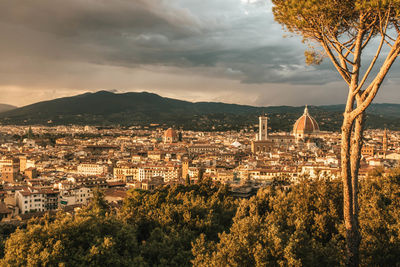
(169, 219)
(98, 205)
(344, 29)
(80, 240)
(201, 173)
(299, 227)
(380, 219)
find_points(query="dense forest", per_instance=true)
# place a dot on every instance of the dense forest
(202, 225)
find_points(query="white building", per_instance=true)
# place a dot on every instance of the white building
(126, 173)
(31, 199)
(169, 173)
(91, 169)
(77, 195)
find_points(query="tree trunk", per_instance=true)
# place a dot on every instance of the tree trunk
(349, 195)
(355, 158)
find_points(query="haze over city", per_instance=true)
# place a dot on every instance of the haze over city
(230, 51)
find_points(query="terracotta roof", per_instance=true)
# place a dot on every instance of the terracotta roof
(170, 133)
(25, 193)
(4, 209)
(118, 183)
(305, 124)
(114, 192)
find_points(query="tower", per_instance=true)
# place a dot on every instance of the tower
(384, 141)
(263, 128)
(185, 168)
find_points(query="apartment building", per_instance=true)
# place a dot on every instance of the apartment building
(31, 199)
(91, 169)
(76, 195)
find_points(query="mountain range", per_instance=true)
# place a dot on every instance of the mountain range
(105, 108)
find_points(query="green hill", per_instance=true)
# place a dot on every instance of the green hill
(6, 107)
(105, 108)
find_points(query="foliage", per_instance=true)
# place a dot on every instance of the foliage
(202, 225)
(83, 240)
(171, 218)
(5, 231)
(277, 227)
(303, 227)
(380, 219)
(152, 228)
(98, 205)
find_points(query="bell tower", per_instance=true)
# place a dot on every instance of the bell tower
(263, 128)
(384, 141)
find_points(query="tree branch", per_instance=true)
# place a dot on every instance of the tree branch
(371, 65)
(343, 46)
(368, 39)
(357, 55)
(343, 72)
(339, 53)
(370, 93)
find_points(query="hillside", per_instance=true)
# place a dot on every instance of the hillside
(6, 107)
(106, 108)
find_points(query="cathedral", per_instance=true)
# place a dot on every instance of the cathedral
(170, 136)
(305, 128)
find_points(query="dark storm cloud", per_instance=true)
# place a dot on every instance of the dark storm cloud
(169, 46)
(232, 34)
(76, 17)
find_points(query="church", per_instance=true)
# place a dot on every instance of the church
(305, 128)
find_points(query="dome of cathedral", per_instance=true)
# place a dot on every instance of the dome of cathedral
(170, 133)
(170, 136)
(305, 125)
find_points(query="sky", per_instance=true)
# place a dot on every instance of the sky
(210, 50)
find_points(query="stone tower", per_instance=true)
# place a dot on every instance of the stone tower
(263, 128)
(385, 141)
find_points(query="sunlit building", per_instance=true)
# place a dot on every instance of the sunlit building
(170, 136)
(305, 126)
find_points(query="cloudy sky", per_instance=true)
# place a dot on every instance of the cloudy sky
(208, 50)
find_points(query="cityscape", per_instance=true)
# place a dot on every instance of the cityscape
(200, 133)
(42, 174)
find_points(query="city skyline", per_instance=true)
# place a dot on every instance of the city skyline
(199, 133)
(229, 51)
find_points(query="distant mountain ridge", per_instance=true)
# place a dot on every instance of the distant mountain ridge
(108, 108)
(6, 107)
